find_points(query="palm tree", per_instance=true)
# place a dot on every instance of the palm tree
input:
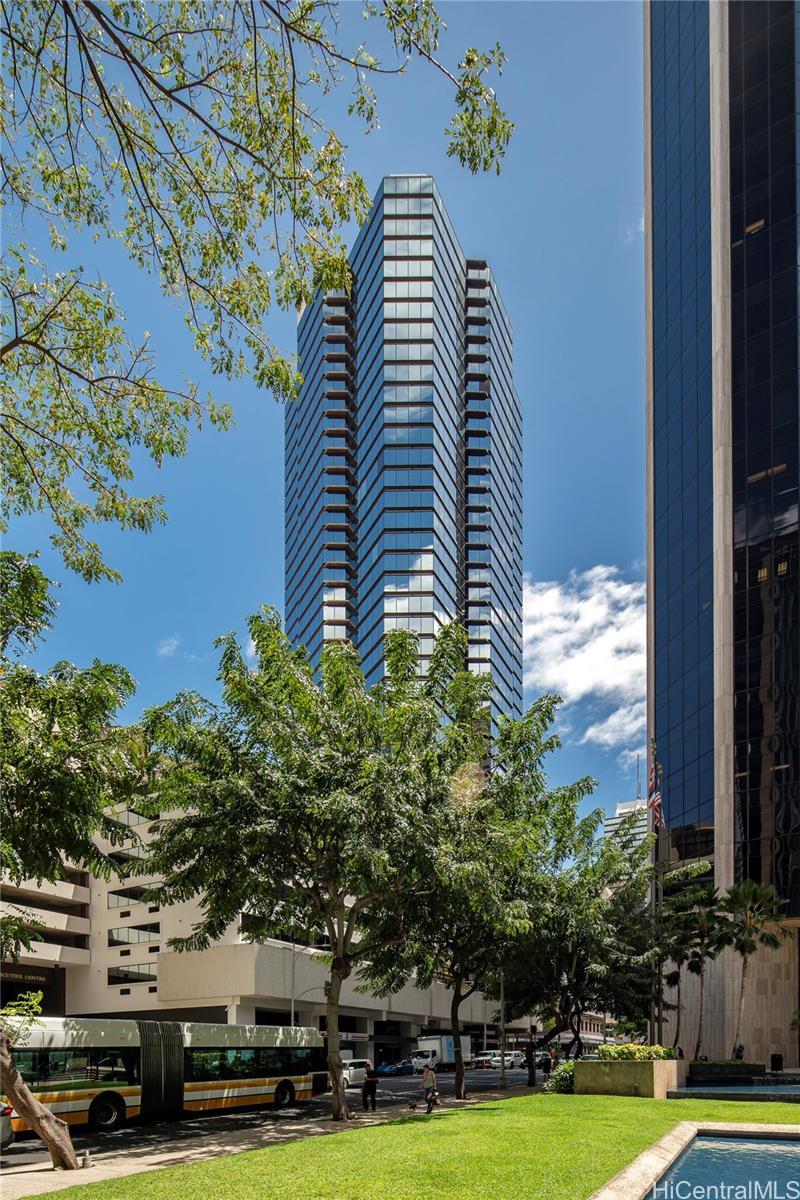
(705, 945)
(754, 912)
(677, 941)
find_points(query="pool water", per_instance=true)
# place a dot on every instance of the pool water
(737, 1163)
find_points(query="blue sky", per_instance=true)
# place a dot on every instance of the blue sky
(562, 229)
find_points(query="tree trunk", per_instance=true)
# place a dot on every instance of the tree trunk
(340, 1108)
(737, 1038)
(701, 1013)
(53, 1131)
(530, 1063)
(455, 1028)
(677, 1037)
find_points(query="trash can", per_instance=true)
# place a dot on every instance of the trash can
(776, 1062)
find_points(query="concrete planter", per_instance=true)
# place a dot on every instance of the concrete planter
(626, 1077)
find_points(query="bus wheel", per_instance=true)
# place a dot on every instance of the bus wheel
(107, 1112)
(284, 1095)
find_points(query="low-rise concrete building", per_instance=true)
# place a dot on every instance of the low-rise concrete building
(107, 953)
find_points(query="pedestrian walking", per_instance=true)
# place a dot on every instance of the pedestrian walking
(369, 1089)
(429, 1086)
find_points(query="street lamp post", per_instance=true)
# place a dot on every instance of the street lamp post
(503, 1079)
(294, 960)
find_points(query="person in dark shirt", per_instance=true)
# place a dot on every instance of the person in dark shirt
(369, 1089)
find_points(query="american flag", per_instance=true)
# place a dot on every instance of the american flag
(654, 797)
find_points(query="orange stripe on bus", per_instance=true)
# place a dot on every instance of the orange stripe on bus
(235, 1101)
(204, 1085)
(20, 1125)
(89, 1093)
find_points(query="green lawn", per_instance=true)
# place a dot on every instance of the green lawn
(542, 1147)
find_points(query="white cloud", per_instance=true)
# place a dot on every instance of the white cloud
(623, 724)
(631, 231)
(628, 759)
(167, 646)
(250, 649)
(585, 639)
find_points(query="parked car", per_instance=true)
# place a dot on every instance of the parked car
(6, 1129)
(354, 1071)
(483, 1061)
(514, 1058)
(404, 1067)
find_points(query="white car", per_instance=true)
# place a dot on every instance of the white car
(354, 1071)
(6, 1128)
(514, 1058)
(484, 1060)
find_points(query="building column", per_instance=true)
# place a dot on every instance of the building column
(365, 1025)
(241, 1013)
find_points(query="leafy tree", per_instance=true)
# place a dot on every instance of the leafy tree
(591, 949)
(193, 135)
(676, 932)
(500, 833)
(705, 945)
(64, 765)
(753, 912)
(26, 607)
(308, 804)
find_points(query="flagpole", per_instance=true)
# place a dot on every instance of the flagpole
(655, 821)
(659, 903)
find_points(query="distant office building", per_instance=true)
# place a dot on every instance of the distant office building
(403, 451)
(723, 427)
(622, 813)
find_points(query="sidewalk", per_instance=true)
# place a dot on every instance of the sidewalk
(28, 1178)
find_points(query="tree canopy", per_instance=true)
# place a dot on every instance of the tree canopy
(493, 852)
(308, 803)
(592, 948)
(65, 764)
(194, 135)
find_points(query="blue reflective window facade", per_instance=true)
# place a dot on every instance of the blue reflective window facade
(682, 499)
(763, 95)
(763, 184)
(403, 452)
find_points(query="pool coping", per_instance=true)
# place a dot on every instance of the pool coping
(639, 1177)
(722, 1093)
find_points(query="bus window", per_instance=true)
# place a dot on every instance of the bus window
(114, 1066)
(32, 1066)
(239, 1064)
(273, 1061)
(202, 1064)
(302, 1060)
(45, 1070)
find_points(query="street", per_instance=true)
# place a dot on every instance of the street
(140, 1139)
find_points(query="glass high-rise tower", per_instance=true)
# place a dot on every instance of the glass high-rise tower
(722, 181)
(403, 451)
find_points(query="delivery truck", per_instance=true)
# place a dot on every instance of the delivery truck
(440, 1052)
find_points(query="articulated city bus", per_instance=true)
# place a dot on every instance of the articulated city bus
(102, 1073)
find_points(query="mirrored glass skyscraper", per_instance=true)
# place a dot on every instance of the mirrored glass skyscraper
(403, 451)
(722, 181)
